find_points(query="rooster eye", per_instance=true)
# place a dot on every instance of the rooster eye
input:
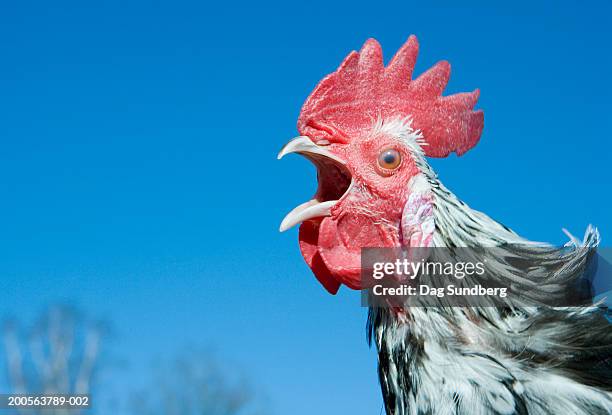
(389, 159)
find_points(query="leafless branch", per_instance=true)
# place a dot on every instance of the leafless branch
(58, 355)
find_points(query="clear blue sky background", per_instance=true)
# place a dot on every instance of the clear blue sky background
(139, 180)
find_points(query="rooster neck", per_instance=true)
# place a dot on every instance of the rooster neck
(459, 363)
(417, 357)
(529, 360)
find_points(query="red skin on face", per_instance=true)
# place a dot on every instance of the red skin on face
(368, 215)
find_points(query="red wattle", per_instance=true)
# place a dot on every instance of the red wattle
(344, 263)
(308, 238)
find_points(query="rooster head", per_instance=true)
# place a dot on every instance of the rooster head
(364, 127)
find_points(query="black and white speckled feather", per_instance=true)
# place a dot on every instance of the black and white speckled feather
(527, 359)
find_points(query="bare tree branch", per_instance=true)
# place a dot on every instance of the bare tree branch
(59, 355)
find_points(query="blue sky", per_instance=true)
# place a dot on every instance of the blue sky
(139, 177)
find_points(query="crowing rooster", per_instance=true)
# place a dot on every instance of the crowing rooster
(368, 129)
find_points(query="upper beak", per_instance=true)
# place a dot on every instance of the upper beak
(313, 208)
(303, 144)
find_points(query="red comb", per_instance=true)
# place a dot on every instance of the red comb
(363, 90)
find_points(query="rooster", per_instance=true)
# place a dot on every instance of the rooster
(369, 129)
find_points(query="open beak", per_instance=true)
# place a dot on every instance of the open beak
(333, 177)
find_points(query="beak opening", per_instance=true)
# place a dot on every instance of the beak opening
(334, 181)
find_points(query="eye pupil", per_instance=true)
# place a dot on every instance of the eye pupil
(389, 157)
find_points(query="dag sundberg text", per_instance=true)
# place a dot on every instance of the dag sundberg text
(450, 290)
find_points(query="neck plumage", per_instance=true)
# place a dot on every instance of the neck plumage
(474, 360)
